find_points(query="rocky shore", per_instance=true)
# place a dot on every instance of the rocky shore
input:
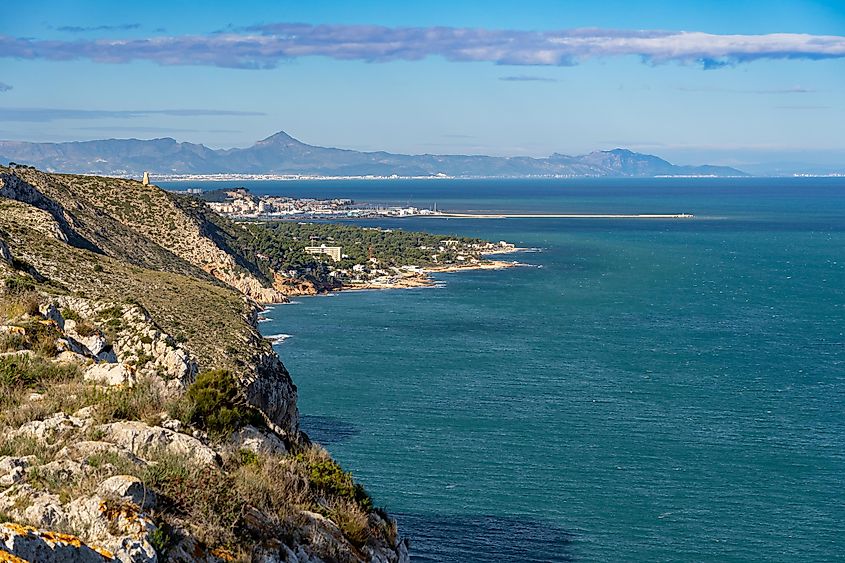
(399, 279)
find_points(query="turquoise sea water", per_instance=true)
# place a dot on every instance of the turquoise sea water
(643, 391)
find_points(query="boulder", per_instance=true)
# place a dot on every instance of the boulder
(109, 374)
(94, 343)
(70, 345)
(130, 488)
(85, 450)
(12, 470)
(118, 526)
(51, 312)
(25, 544)
(50, 428)
(258, 441)
(69, 357)
(39, 508)
(177, 365)
(63, 470)
(142, 439)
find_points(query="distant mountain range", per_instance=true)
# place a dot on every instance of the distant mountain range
(282, 154)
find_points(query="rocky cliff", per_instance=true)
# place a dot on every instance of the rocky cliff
(142, 415)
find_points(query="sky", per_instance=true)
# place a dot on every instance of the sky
(743, 83)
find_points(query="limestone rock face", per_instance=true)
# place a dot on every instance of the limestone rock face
(249, 286)
(94, 343)
(49, 429)
(271, 390)
(120, 527)
(52, 313)
(258, 441)
(36, 507)
(141, 439)
(12, 470)
(68, 357)
(128, 488)
(325, 535)
(29, 544)
(88, 448)
(109, 374)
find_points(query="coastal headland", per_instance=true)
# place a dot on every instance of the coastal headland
(420, 278)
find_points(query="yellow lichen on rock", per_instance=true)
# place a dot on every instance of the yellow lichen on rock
(6, 557)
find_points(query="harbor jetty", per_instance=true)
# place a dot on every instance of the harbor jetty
(565, 215)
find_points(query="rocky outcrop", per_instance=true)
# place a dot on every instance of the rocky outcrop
(113, 528)
(139, 348)
(25, 544)
(269, 389)
(325, 535)
(257, 441)
(143, 440)
(110, 454)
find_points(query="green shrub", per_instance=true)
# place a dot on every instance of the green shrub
(19, 284)
(70, 315)
(329, 477)
(218, 405)
(31, 372)
(247, 457)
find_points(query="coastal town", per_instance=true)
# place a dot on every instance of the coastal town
(309, 253)
(240, 203)
(311, 258)
(375, 273)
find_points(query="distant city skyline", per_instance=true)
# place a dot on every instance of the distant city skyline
(741, 83)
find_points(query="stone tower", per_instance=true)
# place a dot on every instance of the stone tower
(146, 180)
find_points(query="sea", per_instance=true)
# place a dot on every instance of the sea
(637, 390)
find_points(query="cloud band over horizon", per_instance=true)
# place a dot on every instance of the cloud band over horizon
(265, 46)
(45, 115)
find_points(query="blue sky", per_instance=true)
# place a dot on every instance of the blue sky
(723, 82)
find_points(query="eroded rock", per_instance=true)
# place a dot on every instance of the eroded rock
(109, 374)
(142, 440)
(130, 488)
(29, 545)
(258, 441)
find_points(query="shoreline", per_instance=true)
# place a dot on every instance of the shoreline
(414, 279)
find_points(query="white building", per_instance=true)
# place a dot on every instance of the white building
(333, 251)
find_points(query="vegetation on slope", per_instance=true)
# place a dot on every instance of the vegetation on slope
(224, 510)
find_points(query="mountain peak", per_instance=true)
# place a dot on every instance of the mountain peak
(280, 138)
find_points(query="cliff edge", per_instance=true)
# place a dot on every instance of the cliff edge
(143, 417)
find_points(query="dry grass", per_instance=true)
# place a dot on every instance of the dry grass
(14, 305)
(352, 520)
(60, 386)
(274, 485)
(142, 401)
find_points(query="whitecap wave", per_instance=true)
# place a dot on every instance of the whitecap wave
(278, 338)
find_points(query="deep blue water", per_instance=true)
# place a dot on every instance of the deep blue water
(644, 391)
